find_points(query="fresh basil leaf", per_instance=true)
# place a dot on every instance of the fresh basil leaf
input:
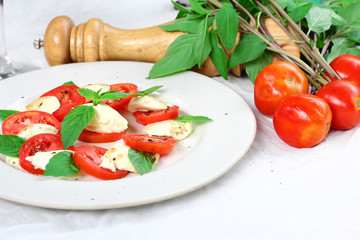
(339, 49)
(355, 34)
(148, 91)
(337, 20)
(190, 118)
(351, 16)
(249, 48)
(253, 67)
(183, 25)
(196, 5)
(69, 83)
(88, 93)
(227, 24)
(179, 57)
(112, 95)
(10, 145)
(180, 7)
(202, 43)
(218, 55)
(74, 123)
(142, 161)
(318, 19)
(282, 3)
(61, 164)
(4, 114)
(300, 12)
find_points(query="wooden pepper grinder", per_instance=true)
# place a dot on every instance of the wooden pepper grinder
(97, 41)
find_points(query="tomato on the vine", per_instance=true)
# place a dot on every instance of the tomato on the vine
(276, 81)
(343, 98)
(347, 66)
(302, 120)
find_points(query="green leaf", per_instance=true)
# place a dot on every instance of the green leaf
(318, 19)
(190, 118)
(10, 145)
(300, 12)
(148, 91)
(69, 83)
(355, 34)
(142, 161)
(218, 55)
(74, 123)
(183, 25)
(337, 20)
(196, 5)
(227, 24)
(351, 16)
(202, 43)
(88, 93)
(61, 164)
(179, 57)
(339, 49)
(255, 66)
(282, 3)
(249, 48)
(6, 113)
(180, 7)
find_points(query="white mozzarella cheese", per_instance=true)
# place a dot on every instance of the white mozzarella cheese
(171, 128)
(146, 103)
(117, 157)
(40, 159)
(106, 120)
(13, 161)
(98, 86)
(47, 104)
(34, 129)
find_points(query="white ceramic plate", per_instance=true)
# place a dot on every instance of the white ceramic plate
(211, 150)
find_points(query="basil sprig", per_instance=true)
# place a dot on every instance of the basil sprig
(6, 113)
(61, 164)
(10, 145)
(142, 161)
(69, 83)
(190, 118)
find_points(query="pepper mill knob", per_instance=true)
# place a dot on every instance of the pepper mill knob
(97, 41)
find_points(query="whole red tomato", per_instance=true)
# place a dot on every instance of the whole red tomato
(343, 98)
(276, 81)
(347, 66)
(302, 120)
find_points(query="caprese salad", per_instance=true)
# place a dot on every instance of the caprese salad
(40, 137)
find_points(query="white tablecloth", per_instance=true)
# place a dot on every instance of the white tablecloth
(274, 192)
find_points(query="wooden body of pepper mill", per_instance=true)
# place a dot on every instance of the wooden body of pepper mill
(96, 41)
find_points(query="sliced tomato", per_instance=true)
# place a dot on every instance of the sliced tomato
(18, 121)
(154, 144)
(68, 97)
(39, 143)
(88, 159)
(156, 116)
(121, 87)
(95, 137)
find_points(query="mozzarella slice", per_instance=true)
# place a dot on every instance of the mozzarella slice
(40, 159)
(106, 120)
(47, 104)
(146, 103)
(96, 87)
(117, 157)
(171, 128)
(13, 161)
(34, 129)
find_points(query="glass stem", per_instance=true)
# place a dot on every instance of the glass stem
(6, 68)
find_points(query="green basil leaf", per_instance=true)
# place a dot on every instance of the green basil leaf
(190, 118)
(148, 91)
(351, 15)
(179, 57)
(202, 43)
(249, 48)
(196, 5)
(142, 161)
(218, 55)
(61, 164)
(227, 24)
(300, 12)
(183, 25)
(4, 114)
(88, 93)
(318, 19)
(74, 123)
(10, 145)
(339, 49)
(180, 7)
(69, 83)
(112, 95)
(253, 67)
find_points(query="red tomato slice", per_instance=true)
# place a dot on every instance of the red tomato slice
(95, 137)
(68, 97)
(121, 87)
(39, 143)
(154, 144)
(156, 116)
(18, 121)
(88, 159)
